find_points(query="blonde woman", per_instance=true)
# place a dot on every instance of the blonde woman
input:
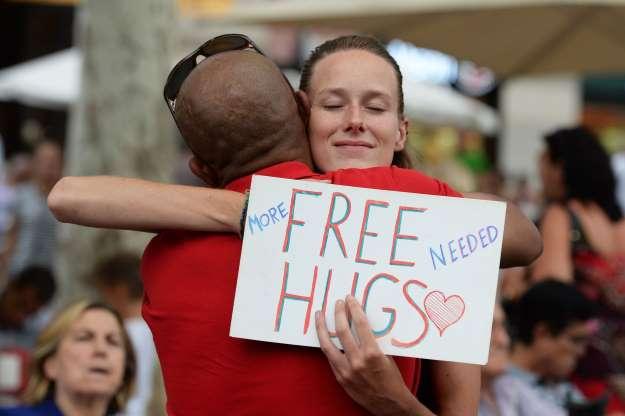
(83, 364)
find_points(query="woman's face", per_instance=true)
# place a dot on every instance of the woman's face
(551, 175)
(354, 120)
(90, 358)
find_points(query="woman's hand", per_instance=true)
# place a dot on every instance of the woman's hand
(371, 378)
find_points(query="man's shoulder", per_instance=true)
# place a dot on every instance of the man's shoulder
(515, 390)
(515, 377)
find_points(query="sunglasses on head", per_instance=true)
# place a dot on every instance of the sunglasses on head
(181, 71)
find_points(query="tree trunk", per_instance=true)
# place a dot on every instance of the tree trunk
(121, 125)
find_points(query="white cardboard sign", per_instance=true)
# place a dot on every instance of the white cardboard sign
(424, 267)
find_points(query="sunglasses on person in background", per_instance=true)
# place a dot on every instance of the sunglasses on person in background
(180, 72)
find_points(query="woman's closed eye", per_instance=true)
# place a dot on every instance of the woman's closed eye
(375, 105)
(376, 108)
(332, 106)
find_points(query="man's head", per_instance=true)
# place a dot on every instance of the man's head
(553, 325)
(24, 295)
(238, 114)
(118, 280)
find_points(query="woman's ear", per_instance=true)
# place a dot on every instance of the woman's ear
(203, 171)
(51, 368)
(402, 135)
(303, 105)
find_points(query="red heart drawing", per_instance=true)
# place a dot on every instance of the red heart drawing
(443, 311)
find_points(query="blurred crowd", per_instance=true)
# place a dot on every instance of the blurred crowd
(557, 343)
(33, 328)
(558, 335)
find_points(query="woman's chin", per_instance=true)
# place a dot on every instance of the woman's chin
(347, 161)
(98, 389)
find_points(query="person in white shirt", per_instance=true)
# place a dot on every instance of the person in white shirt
(118, 281)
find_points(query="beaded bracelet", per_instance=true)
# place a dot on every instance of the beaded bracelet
(244, 214)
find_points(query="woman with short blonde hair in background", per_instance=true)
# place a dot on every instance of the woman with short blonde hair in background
(83, 364)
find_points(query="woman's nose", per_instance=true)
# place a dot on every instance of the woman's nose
(100, 346)
(355, 122)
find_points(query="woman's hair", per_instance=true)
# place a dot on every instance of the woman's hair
(365, 43)
(41, 388)
(588, 174)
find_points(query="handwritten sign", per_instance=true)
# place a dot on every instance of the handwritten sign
(424, 267)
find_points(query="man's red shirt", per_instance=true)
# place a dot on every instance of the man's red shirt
(190, 280)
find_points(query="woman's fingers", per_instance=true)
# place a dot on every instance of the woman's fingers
(334, 355)
(361, 323)
(343, 330)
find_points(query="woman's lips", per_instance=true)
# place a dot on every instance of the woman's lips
(353, 143)
(99, 370)
(353, 150)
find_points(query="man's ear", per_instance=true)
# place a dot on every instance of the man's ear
(303, 106)
(541, 331)
(203, 171)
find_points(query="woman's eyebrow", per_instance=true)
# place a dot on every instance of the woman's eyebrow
(372, 93)
(333, 91)
(377, 94)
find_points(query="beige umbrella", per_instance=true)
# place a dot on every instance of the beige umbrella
(511, 37)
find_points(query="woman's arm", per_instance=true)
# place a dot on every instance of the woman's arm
(522, 242)
(556, 261)
(456, 387)
(136, 204)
